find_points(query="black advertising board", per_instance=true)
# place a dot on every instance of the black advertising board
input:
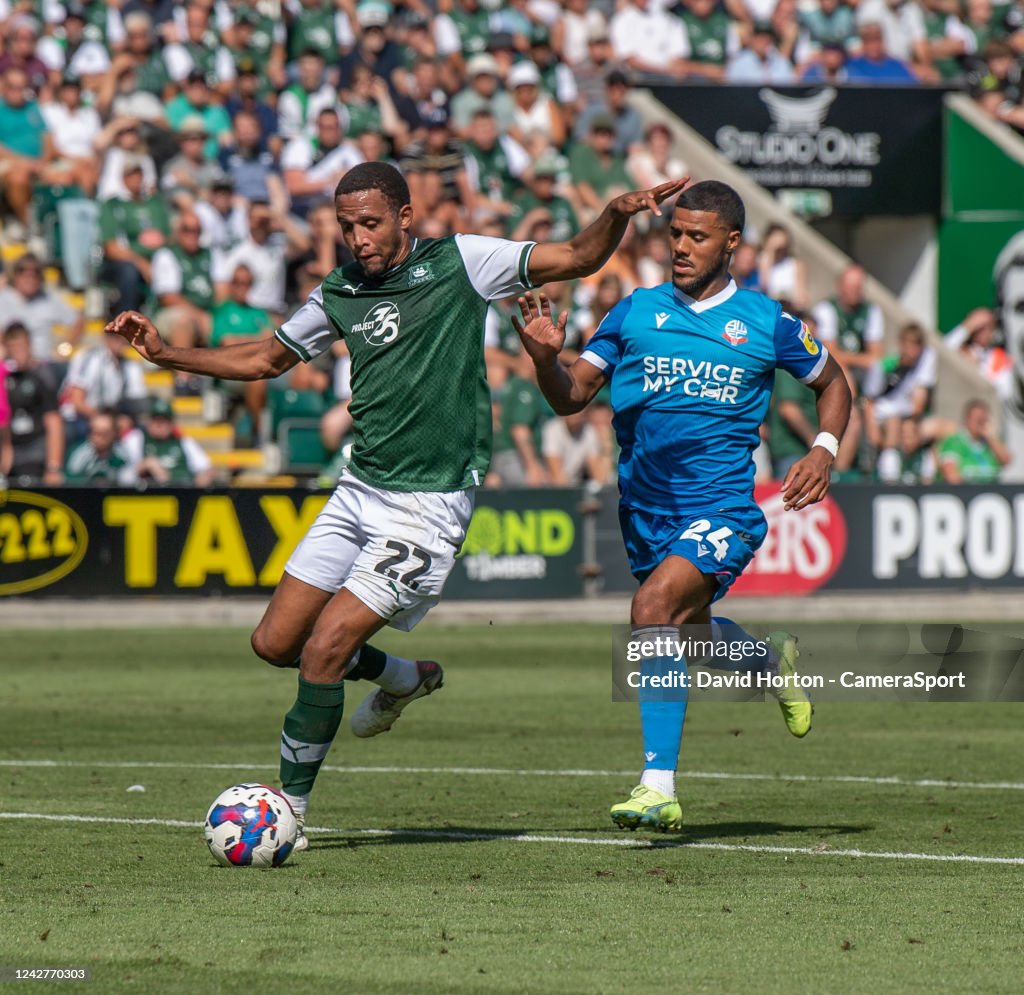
(871, 149)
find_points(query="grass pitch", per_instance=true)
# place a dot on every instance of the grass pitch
(487, 881)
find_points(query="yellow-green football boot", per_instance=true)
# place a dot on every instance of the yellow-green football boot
(796, 706)
(648, 809)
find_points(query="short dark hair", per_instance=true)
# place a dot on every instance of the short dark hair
(15, 330)
(376, 176)
(715, 198)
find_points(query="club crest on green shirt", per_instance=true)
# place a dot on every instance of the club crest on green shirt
(423, 273)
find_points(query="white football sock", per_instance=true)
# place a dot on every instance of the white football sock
(299, 804)
(660, 780)
(399, 676)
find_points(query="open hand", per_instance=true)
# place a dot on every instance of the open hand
(628, 204)
(542, 338)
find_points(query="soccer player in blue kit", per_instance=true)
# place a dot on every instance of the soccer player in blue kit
(691, 365)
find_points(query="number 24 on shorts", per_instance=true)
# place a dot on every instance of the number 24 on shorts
(698, 532)
(402, 552)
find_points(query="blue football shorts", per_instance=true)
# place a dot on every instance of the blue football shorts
(721, 543)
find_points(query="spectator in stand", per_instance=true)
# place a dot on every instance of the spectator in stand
(851, 327)
(312, 167)
(518, 460)
(940, 54)
(975, 454)
(98, 458)
(190, 176)
(484, 92)
(74, 128)
(995, 80)
(535, 109)
(592, 73)
(543, 201)
(200, 51)
(259, 41)
(874, 64)
(143, 55)
(974, 338)
(27, 153)
(54, 326)
(829, 66)
(760, 61)
(435, 168)
(101, 377)
(248, 96)
(595, 168)
(236, 321)
(300, 105)
(120, 98)
(36, 433)
(555, 77)
(370, 108)
(374, 46)
(183, 286)
(131, 230)
(649, 39)
(249, 162)
(629, 124)
(744, 268)
(316, 26)
(495, 163)
(472, 25)
(326, 251)
(826, 23)
(222, 216)
(572, 451)
(571, 33)
(902, 26)
(786, 26)
(196, 100)
(120, 142)
(783, 276)
(273, 239)
(653, 160)
(20, 51)
(712, 39)
(159, 454)
(69, 51)
(898, 389)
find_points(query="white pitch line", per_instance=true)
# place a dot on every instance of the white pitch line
(705, 775)
(635, 842)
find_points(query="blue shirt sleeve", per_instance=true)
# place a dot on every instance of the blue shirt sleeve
(604, 350)
(797, 351)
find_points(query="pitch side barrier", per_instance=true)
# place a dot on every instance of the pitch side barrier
(558, 543)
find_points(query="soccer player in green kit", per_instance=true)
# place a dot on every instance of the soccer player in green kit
(411, 312)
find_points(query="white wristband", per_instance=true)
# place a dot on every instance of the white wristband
(827, 441)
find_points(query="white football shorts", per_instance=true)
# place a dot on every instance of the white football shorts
(393, 550)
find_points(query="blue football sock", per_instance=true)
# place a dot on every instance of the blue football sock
(662, 710)
(746, 652)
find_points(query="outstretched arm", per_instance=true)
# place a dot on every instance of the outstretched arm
(261, 359)
(808, 479)
(567, 389)
(588, 251)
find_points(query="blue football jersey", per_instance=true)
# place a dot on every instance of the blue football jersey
(690, 384)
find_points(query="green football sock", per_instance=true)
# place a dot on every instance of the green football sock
(309, 729)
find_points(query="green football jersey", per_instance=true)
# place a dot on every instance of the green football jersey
(420, 402)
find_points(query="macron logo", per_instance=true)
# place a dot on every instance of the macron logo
(661, 317)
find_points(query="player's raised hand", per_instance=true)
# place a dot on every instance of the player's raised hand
(139, 332)
(628, 204)
(808, 479)
(542, 337)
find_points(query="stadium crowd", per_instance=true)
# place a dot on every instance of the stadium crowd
(181, 158)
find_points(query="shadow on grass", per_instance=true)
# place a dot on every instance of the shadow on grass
(741, 831)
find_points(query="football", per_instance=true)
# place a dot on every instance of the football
(250, 825)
